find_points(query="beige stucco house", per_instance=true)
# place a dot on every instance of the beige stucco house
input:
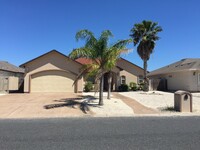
(51, 72)
(56, 72)
(181, 75)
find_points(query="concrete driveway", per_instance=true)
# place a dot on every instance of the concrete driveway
(40, 105)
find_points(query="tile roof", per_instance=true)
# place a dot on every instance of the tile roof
(9, 67)
(84, 61)
(187, 64)
(88, 61)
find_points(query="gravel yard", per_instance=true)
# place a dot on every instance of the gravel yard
(111, 108)
(161, 101)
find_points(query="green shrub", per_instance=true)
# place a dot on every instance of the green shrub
(123, 88)
(88, 86)
(133, 86)
(141, 86)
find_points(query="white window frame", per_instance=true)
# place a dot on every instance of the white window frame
(123, 79)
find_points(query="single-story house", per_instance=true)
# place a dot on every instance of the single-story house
(181, 75)
(11, 77)
(56, 72)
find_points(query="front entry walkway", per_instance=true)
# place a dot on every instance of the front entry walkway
(137, 107)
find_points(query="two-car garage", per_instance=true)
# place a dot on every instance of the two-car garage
(52, 72)
(52, 81)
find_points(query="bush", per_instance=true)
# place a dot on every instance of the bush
(88, 86)
(141, 86)
(123, 88)
(133, 86)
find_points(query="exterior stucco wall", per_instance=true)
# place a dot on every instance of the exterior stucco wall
(178, 81)
(187, 81)
(135, 70)
(129, 77)
(196, 84)
(79, 85)
(130, 71)
(51, 61)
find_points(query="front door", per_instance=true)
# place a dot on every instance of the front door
(113, 82)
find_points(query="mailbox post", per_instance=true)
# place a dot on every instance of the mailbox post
(183, 101)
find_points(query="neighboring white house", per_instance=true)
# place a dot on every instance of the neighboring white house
(181, 75)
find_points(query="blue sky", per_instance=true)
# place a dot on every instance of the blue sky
(29, 28)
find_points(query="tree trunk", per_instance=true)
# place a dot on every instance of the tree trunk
(109, 84)
(146, 84)
(101, 90)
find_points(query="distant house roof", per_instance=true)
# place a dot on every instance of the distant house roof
(187, 64)
(9, 67)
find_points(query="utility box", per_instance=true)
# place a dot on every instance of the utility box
(183, 101)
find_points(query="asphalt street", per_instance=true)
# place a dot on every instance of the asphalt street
(131, 133)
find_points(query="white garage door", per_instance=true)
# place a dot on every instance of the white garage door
(52, 81)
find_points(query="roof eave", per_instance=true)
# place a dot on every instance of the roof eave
(156, 74)
(23, 65)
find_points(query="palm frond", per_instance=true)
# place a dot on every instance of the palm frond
(86, 70)
(99, 74)
(88, 36)
(105, 35)
(84, 35)
(81, 52)
(103, 41)
(122, 43)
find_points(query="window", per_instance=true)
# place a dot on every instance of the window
(123, 80)
(140, 79)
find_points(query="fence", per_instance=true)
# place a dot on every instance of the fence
(158, 84)
(3, 84)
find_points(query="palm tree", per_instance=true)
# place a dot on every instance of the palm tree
(144, 35)
(113, 54)
(99, 52)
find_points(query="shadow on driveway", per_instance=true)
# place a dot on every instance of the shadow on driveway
(81, 102)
